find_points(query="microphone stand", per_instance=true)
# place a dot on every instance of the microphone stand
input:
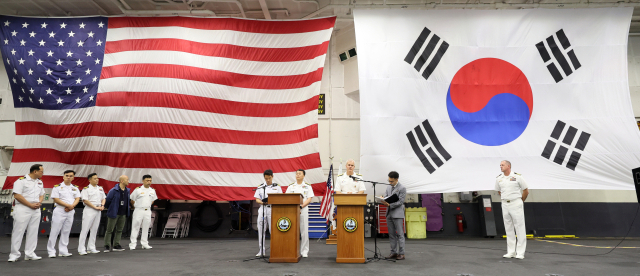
(376, 257)
(264, 229)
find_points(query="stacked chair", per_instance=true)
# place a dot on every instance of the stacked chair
(177, 225)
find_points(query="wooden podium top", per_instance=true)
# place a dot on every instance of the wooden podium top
(350, 199)
(285, 199)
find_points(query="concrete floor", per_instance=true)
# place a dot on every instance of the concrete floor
(424, 257)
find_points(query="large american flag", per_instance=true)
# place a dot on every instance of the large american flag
(202, 105)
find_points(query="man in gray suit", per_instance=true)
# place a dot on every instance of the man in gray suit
(395, 216)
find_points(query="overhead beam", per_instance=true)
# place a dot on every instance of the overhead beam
(265, 9)
(99, 8)
(59, 8)
(434, 6)
(41, 8)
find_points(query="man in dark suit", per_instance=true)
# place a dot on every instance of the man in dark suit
(395, 216)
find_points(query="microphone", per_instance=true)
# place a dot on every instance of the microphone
(353, 177)
(259, 187)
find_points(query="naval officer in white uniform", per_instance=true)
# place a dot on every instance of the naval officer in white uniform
(301, 187)
(28, 192)
(513, 190)
(262, 195)
(142, 198)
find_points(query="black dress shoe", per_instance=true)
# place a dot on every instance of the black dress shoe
(392, 256)
(400, 257)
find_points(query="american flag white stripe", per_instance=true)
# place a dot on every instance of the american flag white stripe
(210, 90)
(245, 39)
(227, 168)
(168, 115)
(169, 146)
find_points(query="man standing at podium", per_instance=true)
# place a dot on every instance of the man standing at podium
(395, 216)
(349, 182)
(305, 189)
(264, 213)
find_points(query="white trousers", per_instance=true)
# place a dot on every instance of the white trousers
(90, 223)
(261, 226)
(513, 216)
(304, 231)
(61, 223)
(140, 219)
(24, 219)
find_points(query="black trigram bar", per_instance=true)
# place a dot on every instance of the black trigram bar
(573, 160)
(431, 155)
(568, 139)
(559, 55)
(435, 141)
(419, 153)
(417, 45)
(428, 51)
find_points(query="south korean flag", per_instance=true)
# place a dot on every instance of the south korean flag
(446, 95)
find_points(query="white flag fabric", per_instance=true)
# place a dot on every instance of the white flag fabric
(447, 94)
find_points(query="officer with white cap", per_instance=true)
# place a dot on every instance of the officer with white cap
(513, 191)
(93, 197)
(301, 187)
(142, 198)
(264, 213)
(28, 192)
(66, 196)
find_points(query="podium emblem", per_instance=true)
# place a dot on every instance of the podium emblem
(284, 224)
(350, 224)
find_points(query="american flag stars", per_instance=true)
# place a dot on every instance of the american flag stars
(57, 62)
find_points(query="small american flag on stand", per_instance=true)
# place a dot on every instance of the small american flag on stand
(327, 200)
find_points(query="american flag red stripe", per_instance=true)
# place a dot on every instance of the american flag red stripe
(155, 99)
(216, 193)
(220, 50)
(203, 105)
(211, 76)
(231, 24)
(167, 161)
(162, 130)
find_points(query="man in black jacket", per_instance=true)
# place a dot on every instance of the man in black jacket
(118, 207)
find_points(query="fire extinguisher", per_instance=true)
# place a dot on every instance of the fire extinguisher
(461, 222)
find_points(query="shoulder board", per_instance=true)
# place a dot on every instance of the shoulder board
(21, 178)
(516, 173)
(274, 184)
(292, 183)
(152, 188)
(498, 175)
(56, 185)
(358, 174)
(76, 186)
(341, 174)
(307, 183)
(136, 188)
